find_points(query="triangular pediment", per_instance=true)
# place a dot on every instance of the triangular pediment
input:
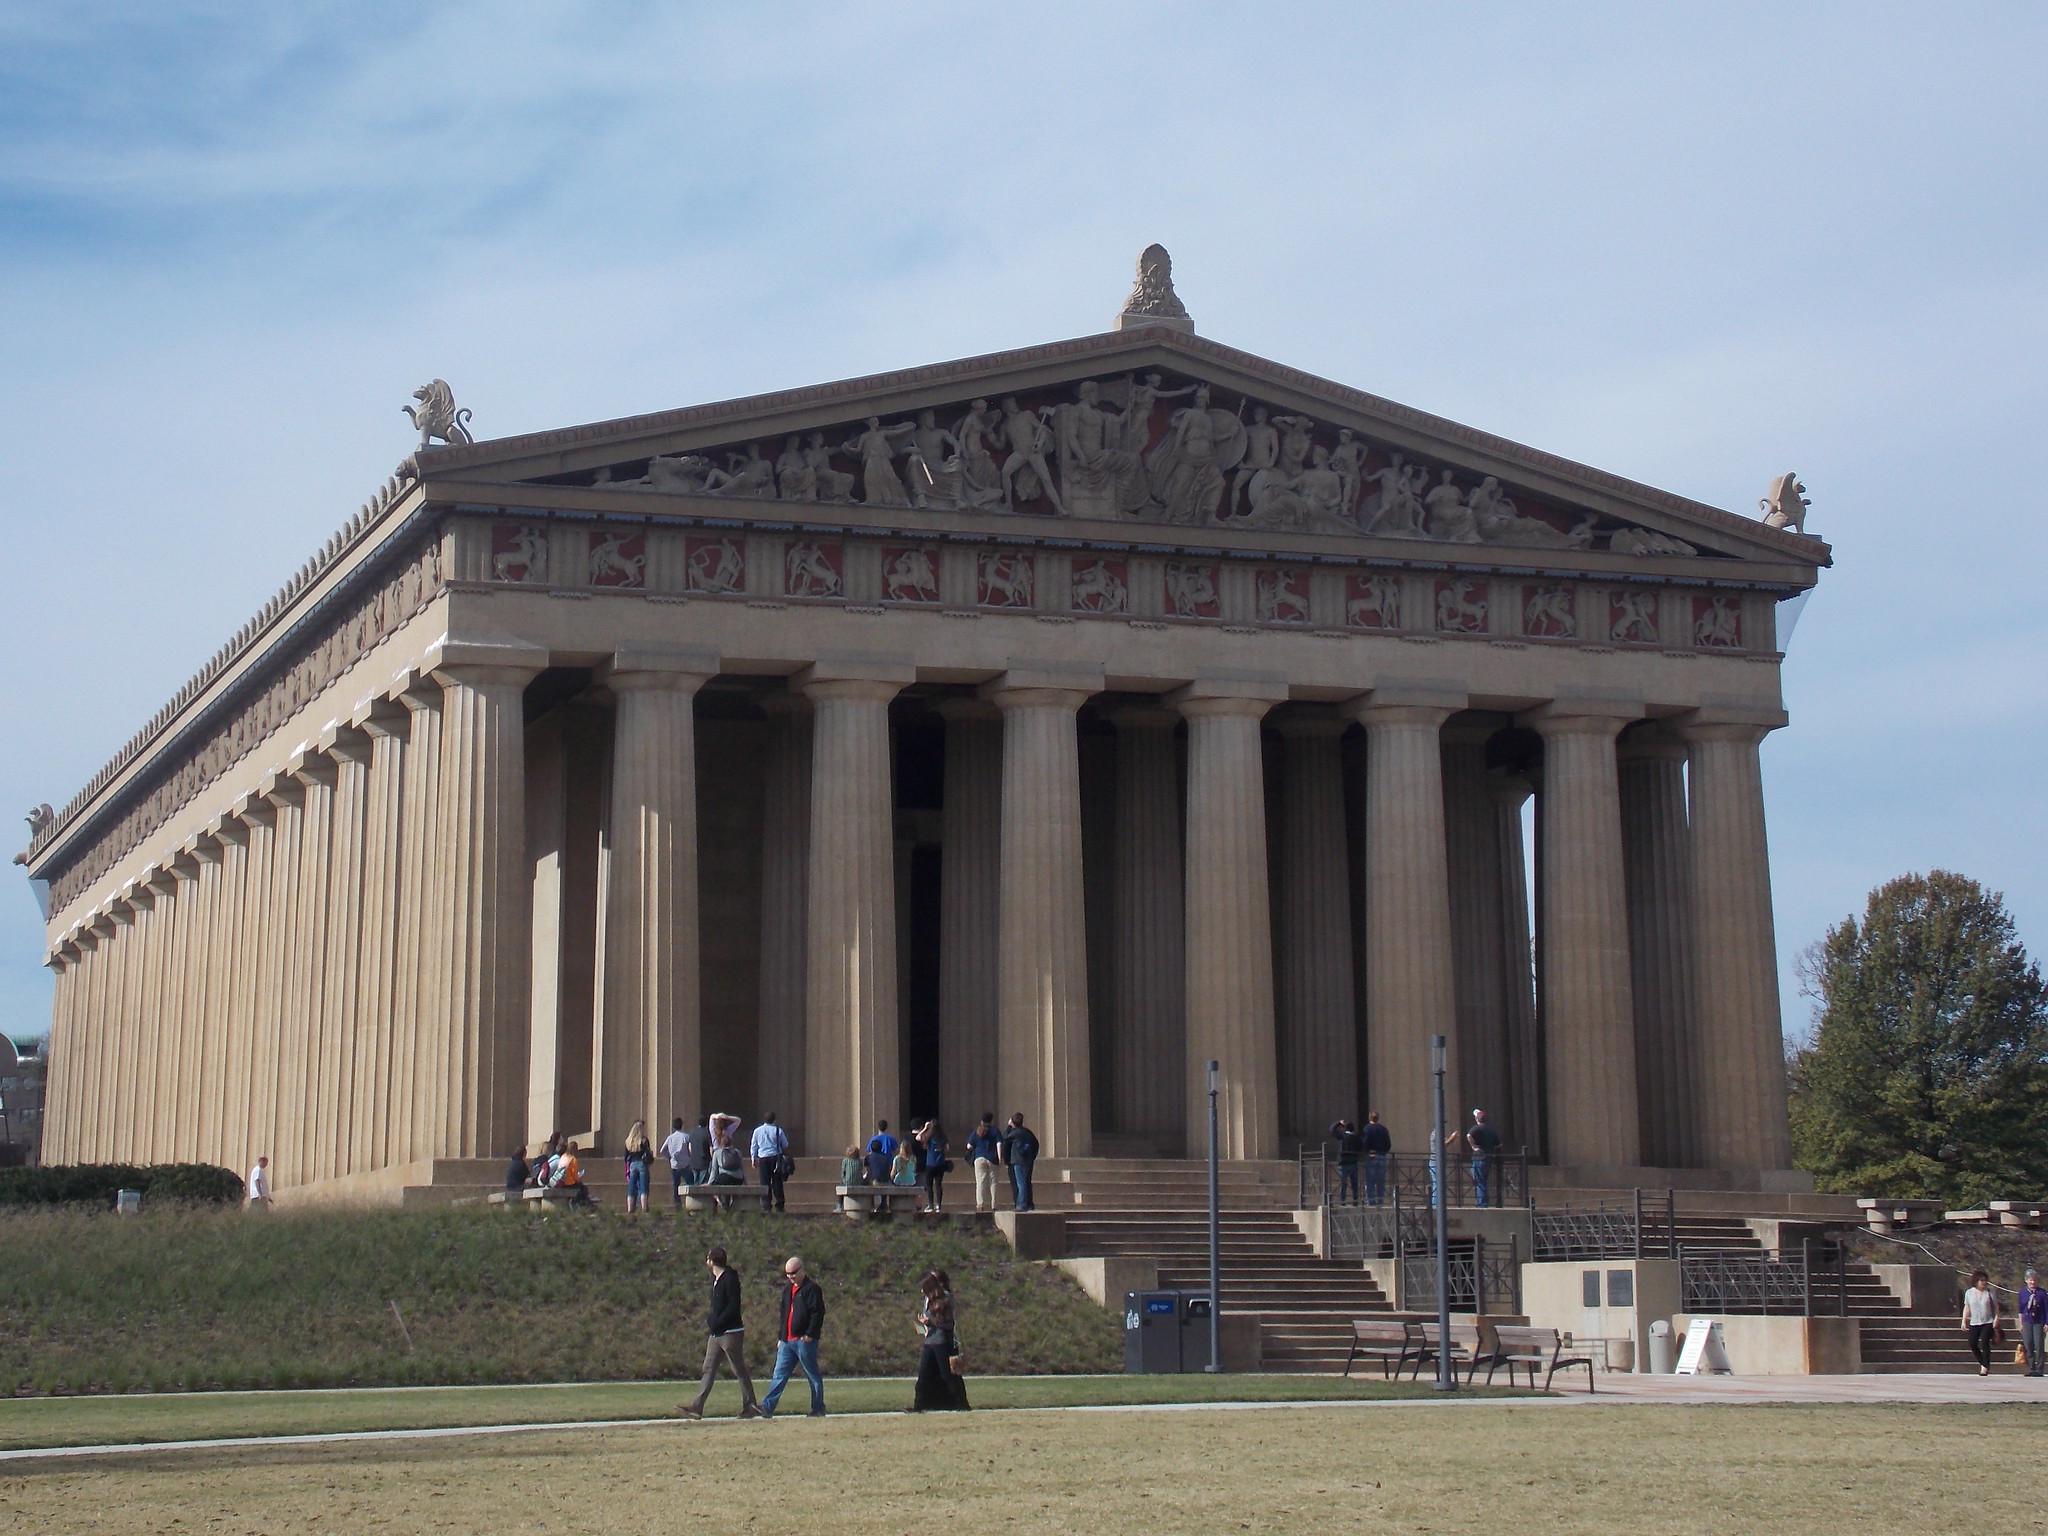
(1173, 436)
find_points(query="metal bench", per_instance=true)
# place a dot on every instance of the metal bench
(1533, 1347)
(1388, 1340)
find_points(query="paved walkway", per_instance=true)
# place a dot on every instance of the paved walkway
(1617, 1389)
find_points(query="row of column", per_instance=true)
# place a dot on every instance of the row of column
(333, 973)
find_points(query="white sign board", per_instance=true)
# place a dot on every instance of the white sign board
(1705, 1349)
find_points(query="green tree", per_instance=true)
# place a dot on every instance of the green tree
(1926, 1073)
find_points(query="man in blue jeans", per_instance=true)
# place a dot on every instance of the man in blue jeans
(799, 1321)
(1020, 1151)
(1378, 1144)
(1484, 1141)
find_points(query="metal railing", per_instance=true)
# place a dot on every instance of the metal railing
(1483, 1276)
(1639, 1230)
(1319, 1179)
(1361, 1232)
(1808, 1281)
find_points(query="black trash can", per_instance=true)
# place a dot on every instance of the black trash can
(1194, 1330)
(1152, 1332)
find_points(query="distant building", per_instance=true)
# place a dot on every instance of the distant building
(21, 1105)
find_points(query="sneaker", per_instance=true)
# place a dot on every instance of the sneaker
(815, 1413)
(751, 1412)
(1983, 1370)
(686, 1411)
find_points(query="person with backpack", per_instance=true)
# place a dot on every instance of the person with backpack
(727, 1165)
(770, 1152)
(933, 1149)
(984, 1148)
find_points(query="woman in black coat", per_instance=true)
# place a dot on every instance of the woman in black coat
(940, 1386)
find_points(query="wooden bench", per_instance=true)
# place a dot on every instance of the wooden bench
(1464, 1347)
(859, 1199)
(1388, 1340)
(714, 1197)
(1533, 1347)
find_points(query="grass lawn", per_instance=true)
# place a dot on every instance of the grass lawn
(26, 1422)
(1484, 1468)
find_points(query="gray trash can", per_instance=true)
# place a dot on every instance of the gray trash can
(1152, 1332)
(127, 1201)
(1663, 1349)
(1194, 1330)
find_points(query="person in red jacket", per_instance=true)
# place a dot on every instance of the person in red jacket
(800, 1306)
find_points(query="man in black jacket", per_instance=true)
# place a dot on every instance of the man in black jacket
(728, 1338)
(1020, 1150)
(801, 1306)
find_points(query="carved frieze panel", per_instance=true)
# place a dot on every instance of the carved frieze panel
(1100, 586)
(715, 563)
(618, 559)
(1717, 623)
(910, 573)
(1148, 447)
(1461, 605)
(812, 568)
(1192, 590)
(1280, 596)
(1004, 578)
(1632, 616)
(519, 552)
(1549, 612)
(1372, 600)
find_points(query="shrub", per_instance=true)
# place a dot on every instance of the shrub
(98, 1184)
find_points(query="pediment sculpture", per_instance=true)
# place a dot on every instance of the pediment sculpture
(1139, 447)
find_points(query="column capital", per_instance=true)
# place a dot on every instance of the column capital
(1650, 747)
(1042, 685)
(1406, 704)
(310, 766)
(253, 810)
(162, 878)
(228, 828)
(1748, 726)
(668, 669)
(1580, 717)
(281, 789)
(483, 661)
(876, 684)
(346, 742)
(381, 715)
(1247, 698)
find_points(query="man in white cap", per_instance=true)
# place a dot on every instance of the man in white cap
(1484, 1141)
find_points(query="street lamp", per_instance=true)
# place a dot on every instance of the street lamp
(1215, 1235)
(1439, 1168)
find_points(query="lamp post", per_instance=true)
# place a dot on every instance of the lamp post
(1439, 1168)
(1215, 1236)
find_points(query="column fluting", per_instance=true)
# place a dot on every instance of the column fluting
(1315, 1003)
(1147, 1045)
(970, 897)
(1656, 850)
(785, 880)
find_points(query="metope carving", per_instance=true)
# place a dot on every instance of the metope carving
(910, 574)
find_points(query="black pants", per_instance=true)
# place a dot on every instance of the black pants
(934, 1185)
(771, 1184)
(939, 1390)
(1980, 1342)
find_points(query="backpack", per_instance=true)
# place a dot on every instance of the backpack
(725, 1164)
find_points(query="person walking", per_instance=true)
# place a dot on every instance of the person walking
(259, 1185)
(940, 1388)
(770, 1152)
(2032, 1306)
(802, 1312)
(675, 1150)
(984, 1148)
(1980, 1319)
(727, 1340)
(1350, 1144)
(1020, 1151)
(1484, 1141)
(1377, 1142)
(639, 1165)
(934, 1147)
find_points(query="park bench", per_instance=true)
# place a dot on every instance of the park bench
(1533, 1347)
(2016, 1213)
(1465, 1341)
(1387, 1340)
(859, 1199)
(712, 1197)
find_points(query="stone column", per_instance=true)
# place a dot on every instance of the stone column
(785, 878)
(1315, 1002)
(137, 1025)
(1656, 851)
(419, 1085)
(1042, 1064)
(650, 1054)
(343, 1089)
(1588, 1005)
(199, 1053)
(1229, 931)
(487, 898)
(851, 1075)
(254, 1088)
(1525, 1058)
(382, 722)
(233, 964)
(58, 1073)
(311, 1073)
(1409, 989)
(1742, 1082)
(110, 993)
(1480, 955)
(175, 901)
(970, 867)
(1147, 1047)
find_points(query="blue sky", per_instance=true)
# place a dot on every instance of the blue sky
(1694, 245)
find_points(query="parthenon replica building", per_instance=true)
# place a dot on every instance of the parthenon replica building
(1016, 733)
